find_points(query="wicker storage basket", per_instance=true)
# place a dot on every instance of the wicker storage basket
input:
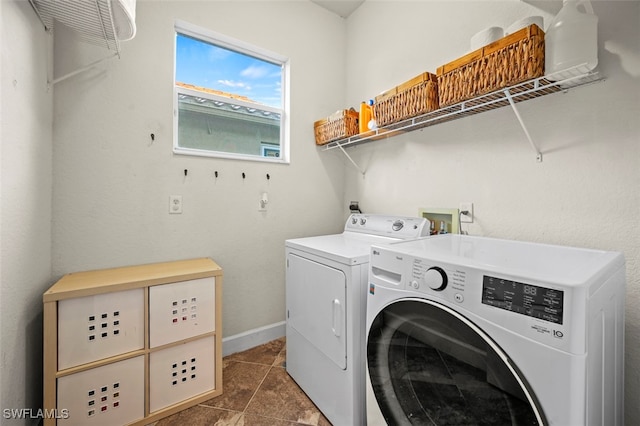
(512, 59)
(414, 97)
(341, 124)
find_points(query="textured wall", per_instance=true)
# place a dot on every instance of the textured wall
(584, 193)
(25, 202)
(112, 182)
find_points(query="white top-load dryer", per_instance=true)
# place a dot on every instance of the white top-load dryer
(474, 330)
(326, 284)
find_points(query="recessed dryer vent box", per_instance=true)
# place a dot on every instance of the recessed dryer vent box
(181, 310)
(97, 327)
(181, 372)
(442, 218)
(109, 395)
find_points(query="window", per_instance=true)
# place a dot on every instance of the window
(230, 98)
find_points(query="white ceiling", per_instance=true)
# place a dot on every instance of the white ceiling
(344, 8)
(340, 7)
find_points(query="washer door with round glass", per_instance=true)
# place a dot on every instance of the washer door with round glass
(429, 365)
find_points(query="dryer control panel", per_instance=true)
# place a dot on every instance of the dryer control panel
(399, 227)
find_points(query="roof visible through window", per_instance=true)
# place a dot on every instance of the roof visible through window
(213, 67)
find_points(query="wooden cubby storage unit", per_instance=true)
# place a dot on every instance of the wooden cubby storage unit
(131, 345)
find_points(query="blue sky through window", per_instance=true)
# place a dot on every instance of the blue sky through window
(213, 67)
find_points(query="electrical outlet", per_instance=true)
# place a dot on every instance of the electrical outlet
(468, 207)
(175, 204)
(262, 204)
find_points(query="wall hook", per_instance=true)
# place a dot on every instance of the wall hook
(268, 177)
(153, 137)
(243, 175)
(186, 171)
(215, 174)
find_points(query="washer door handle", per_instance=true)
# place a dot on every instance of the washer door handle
(337, 323)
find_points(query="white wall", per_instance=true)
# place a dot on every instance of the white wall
(584, 193)
(25, 201)
(112, 183)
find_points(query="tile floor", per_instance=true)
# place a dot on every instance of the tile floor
(257, 391)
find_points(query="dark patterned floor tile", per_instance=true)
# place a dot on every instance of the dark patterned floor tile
(239, 383)
(202, 416)
(256, 420)
(280, 397)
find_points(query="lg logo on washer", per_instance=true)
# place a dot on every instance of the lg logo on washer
(377, 253)
(541, 329)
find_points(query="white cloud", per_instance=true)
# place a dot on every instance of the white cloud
(254, 71)
(235, 84)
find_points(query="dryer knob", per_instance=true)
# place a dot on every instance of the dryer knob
(435, 278)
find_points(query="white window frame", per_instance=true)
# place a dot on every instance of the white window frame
(230, 43)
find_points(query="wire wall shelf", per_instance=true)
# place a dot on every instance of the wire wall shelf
(102, 23)
(531, 89)
(92, 20)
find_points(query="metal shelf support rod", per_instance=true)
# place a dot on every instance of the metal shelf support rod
(524, 128)
(83, 69)
(351, 159)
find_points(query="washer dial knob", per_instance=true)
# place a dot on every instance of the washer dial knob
(397, 225)
(435, 278)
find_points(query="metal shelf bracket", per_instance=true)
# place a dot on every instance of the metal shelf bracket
(351, 159)
(83, 69)
(524, 128)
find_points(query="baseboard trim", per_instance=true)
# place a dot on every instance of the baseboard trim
(252, 338)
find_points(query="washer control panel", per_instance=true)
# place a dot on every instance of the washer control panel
(436, 280)
(439, 280)
(463, 275)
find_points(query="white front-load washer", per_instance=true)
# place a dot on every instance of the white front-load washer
(469, 330)
(326, 285)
